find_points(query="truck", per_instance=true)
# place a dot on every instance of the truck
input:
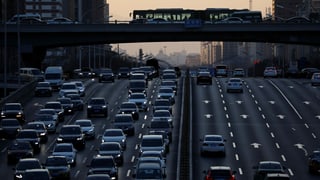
(54, 75)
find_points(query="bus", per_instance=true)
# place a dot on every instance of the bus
(180, 15)
(251, 16)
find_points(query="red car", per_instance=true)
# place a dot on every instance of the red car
(219, 172)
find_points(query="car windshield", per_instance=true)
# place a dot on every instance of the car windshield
(213, 138)
(123, 118)
(137, 96)
(53, 106)
(161, 114)
(128, 106)
(43, 85)
(113, 133)
(12, 107)
(70, 130)
(160, 124)
(102, 163)
(165, 90)
(97, 101)
(148, 173)
(109, 147)
(220, 173)
(23, 165)
(56, 161)
(63, 149)
(151, 142)
(162, 103)
(10, 123)
(27, 134)
(84, 123)
(35, 126)
(44, 117)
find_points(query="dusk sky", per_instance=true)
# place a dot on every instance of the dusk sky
(120, 9)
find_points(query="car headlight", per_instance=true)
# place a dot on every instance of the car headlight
(42, 134)
(104, 107)
(59, 139)
(89, 107)
(19, 176)
(79, 138)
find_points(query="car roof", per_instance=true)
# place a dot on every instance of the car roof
(220, 168)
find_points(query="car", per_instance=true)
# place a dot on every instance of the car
(204, 77)
(57, 106)
(315, 79)
(106, 75)
(139, 76)
(124, 72)
(270, 72)
(77, 102)
(265, 167)
(149, 170)
(61, 20)
(219, 172)
(124, 122)
(170, 77)
(88, 128)
(234, 85)
(43, 89)
(98, 177)
(308, 72)
(67, 105)
(166, 93)
(149, 159)
(49, 111)
(18, 150)
(153, 143)
(31, 136)
(10, 127)
(72, 134)
(112, 149)
(67, 150)
(160, 125)
(24, 164)
(103, 165)
(137, 86)
(169, 84)
(153, 154)
(97, 106)
(212, 143)
(238, 72)
(49, 120)
(35, 174)
(140, 99)
(163, 115)
(41, 129)
(86, 72)
(68, 88)
(115, 135)
(292, 72)
(129, 108)
(58, 167)
(232, 20)
(314, 162)
(81, 87)
(162, 104)
(13, 110)
(277, 176)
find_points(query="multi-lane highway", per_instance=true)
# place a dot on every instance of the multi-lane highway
(273, 119)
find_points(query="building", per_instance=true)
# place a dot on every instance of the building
(193, 60)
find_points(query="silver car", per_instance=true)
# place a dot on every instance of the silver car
(315, 79)
(234, 85)
(213, 143)
(87, 128)
(166, 93)
(140, 99)
(67, 150)
(115, 135)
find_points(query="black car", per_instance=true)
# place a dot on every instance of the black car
(18, 150)
(204, 77)
(57, 106)
(24, 164)
(308, 72)
(103, 165)
(43, 89)
(124, 72)
(67, 105)
(162, 125)
(10, 128)
(97, 106)
(112, 149)
(314, 162)
(58, 167)
(106, 75)
(124, 122)
(31, 136)
(13, 110)
(77, 101)
(129, 108)
(72, 134)
(86, 72)
(41, 129)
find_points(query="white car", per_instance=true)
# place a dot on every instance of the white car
(234, 84)
(87, 128)
(315, 79)
(67, 150)
(238, 72)
(68, 88)
(270, 72)
(163, 115)
(115, 135)
(140, 99)
(213, 143)
(166, 93)
(81, 87)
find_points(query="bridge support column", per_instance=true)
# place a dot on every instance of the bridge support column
(34, 57)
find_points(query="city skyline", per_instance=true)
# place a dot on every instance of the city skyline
(120, 10)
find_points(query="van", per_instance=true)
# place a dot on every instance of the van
(54, 75)
(30, 73)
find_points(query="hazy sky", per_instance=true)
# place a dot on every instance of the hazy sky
(120, 9)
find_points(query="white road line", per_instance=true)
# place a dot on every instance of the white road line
(267, 124)
(290, 172)
(306, 125)
(77, 174)
(264, 117)
(227, 116)
(277, 145)
(128, 172)
(314, 136)
(229, 124)
(84, 160)
(234, 145)
(133, 158)
(283, 158)
(231, 134)
(240, 171)
(272, 135)
(259, 108)
(237, 157)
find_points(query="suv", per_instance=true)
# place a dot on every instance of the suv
(97, 105)
(103, 165)
(314, 162)
(13, 110)
(124, 122)
(31, 136)
(153, 143)
(72, 134)
(124, 72)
